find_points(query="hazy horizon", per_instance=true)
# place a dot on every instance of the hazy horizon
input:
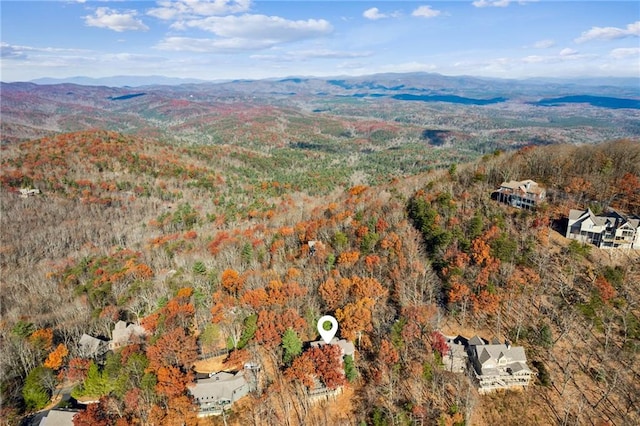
(124, 80)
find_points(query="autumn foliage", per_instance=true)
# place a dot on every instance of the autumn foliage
(208, 255)
(56, 357)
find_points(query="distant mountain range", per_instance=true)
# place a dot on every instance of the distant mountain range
(120, 81)
(438, 79)
(178, 106)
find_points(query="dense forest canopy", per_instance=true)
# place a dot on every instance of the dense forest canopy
(209, 251)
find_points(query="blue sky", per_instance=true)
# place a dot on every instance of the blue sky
(229, 39)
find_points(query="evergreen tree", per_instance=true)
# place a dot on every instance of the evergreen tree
(350, 371)
(34, 392)
(292, 346)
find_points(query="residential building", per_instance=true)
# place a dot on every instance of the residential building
(494, 365)
(499, 366)
(220, 390)
(347, 347)
(91, 347)
(29, 192)
(525, 194)
(58, 417)
(319, 391)
(608, 230)
(123, 334)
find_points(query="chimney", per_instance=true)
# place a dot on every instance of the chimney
(507, 344)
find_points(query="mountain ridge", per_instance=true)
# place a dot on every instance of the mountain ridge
(153, 80)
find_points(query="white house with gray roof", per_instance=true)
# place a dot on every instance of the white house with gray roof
(495, 365)
(525, 194)
(499, 366)
(608, 230)
(124, 334)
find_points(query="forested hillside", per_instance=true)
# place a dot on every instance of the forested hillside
(208, 249)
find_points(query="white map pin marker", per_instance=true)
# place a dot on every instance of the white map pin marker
(327, 335)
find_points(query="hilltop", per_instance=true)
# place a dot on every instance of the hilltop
(224, 219)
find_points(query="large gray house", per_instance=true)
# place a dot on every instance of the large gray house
(494, 365)
(525, 194)
(220, 390)
(498, 366)
(607, 230)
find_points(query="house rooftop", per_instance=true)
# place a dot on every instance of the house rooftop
(525, 185)
(122, 333)
(346, 346)
(476, 340)
(219, 386)
(89, 345)
(494, 357)
(58, 417)
(611, 217)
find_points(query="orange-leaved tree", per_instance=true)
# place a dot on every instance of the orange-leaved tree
(355, 319)
(56, 357)
(232, 281)
(328, 365)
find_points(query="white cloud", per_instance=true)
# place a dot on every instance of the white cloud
(544, 44)
(8, 51)
(564, 55)
(192, 8)
(302, 55)
(130, 58)
(533, 59)
(113, 20)
(328, 53)
(499, 3)
(243, 33)
(209, 45)
(625, 52)
(359, 66)
(408, 67)
(21, 52)
(426, 12)
(491, 3)
(251, 31)
(610, 33)
(35, 62)
(246, 32)
(568, 52)
(374, 14)
(273, 58)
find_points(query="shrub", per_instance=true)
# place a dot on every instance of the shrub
(546, 338)
(350, 371)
